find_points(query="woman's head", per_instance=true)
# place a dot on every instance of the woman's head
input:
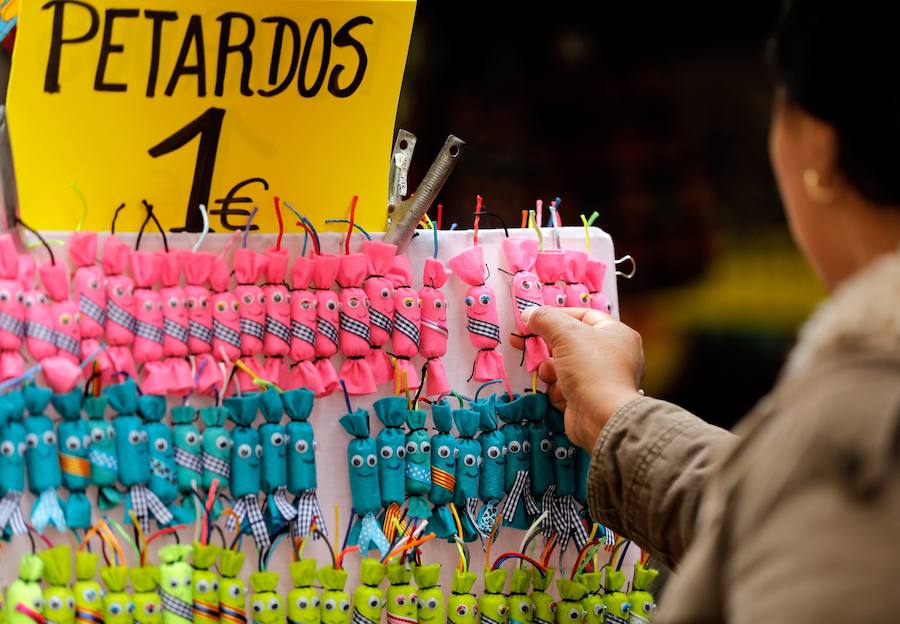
(835, 139)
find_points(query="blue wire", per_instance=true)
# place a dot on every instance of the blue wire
(435, 242)
(358, 227)
(249, 223)
(485, 385)
(454, 226)
(312, 229)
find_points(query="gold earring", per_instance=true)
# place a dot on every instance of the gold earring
(814, 189)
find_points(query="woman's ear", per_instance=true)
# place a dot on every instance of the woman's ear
(818, 151)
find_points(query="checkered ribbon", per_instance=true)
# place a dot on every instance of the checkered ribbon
(370, 534)
(407, 328)
(105, 459)
(216, 465)
(188, 460)
(359, 618)
(443, 479)
(355, 327)
(486, 620)
(89, 308)
(278, 329)
(483, 328)
(415, 472)
(524, 304)
(161, 470)
(252, 328)
(328, 330)
(567, 522)
(248, 511)
(149, 331)
(615, 619)
(11, 513)
(175, 605)
(471, 511)
(120, 316)
(11, 324)
(381, 320)
(436, 327)
(303, 332)
(548, 503)
(519, 493)
(284, 507)
(47, 510)
(144, 502)
(307, 505)
(226, 334)
(39, 331)
(67, 343)
(175, 330)
(201, 332)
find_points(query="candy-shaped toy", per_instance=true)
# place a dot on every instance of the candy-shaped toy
(12, 311)
(197, 267)
(175, 585)
(42, 461)
(188, 454)
(304, 305)
(569, 609)
(274, 460)
(519, 603)
(618, 607)
(462, 607)
(161, 449)
(248, 271)
(59, 599)
(493, 467)
(468, 471)
(246, 474)
(226, 319)
(430, 605)
(118, 605)
(492, 606)
(527, 291)
(232, 591)
(519, 503)
(434, 332)
(368, 599)
(205, 591)
(24, 598)
(88, 288)
(216, 457)
(88, 594)
(277, 340)
(391, 443)
(418, 464)
(407, 320)
(335, 608)
(66, 333)
(175, 324)
(102, 453)
(444, 450)
(12, 462)
(301, 458)
(549, 269)
(593, 279)
(402, 600)
(566, 517)
(574, 265)
(380, 293)
(540, 459)
(641, 600)
(325, 271)
(73, 446)
(147, 603)
(146, 267)
(544, 603)
(303, 603)
(354, 325)
(592, 603)
(120, 325)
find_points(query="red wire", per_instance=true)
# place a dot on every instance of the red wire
(350, 227)
(204, 534)
(280, 223)
(159, 533)
(478, 201)
(310, 234)
(516, 555)
(340, 559)
(440, 213)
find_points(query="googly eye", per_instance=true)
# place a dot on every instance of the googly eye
(134, 437)
(302, 603)
(484, 299)
(221, 306)
(274, 604)
(315, 602)
(356, 461)
(172, 302)
(7, 448)
(277, 297)
(214, 585)
(148, 305)
(161, 445)
(119, 291)
(115, 608)
(31, 440)
(149, 608)
(93, 283)
(526, 284)
(649, 606)
(526, 446)
(502, 609)
(276, 439)
(444, 452)
(400, 600)
(560, 453)
(560, 300)
(470, 460)
(571, 451)
(222, 443)
(438, 304)
(258, 450)
(73, 443)
(235, 305)
(470, 301)
(89, 595)
(553, 607)
(353, 302)
(70, 602)
(408, 302)
(261, 298)
(480, 460)
(42, 299)
(244, 451)
(514, 447)
(546, 445)
(190, 303)
(65, 318)
(191, 438)
(401, 452)
(425, 447)
(234, 591)
(598, 609)
(462, 610)
(173, 583)
(431, 603)
(385, 293)
(301, 446)
(493, 452)
(411, 447)
(371, 461)
(97, 434)
(345, 606)
(247, 299)
(111, 432)
(574, 613)
(330, 605)
(258, 606)
(374, 602)
(55, 603)
(525, 606)
(28, 301)
(129, 607)
(203, 302)
(331, 305)
(202, 587)
(387, 452)
(585, 297)
(306, 304)
(49, 438)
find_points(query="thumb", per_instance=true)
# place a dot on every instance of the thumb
(551, 324)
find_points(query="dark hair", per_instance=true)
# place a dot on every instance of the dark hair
(839, 60)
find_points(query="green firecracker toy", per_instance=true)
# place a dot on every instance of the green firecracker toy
(205, 594)
(24, 598)
(430, 607)
(569, 609)
(641, 600)
(88, 595)
(592, 603)
(492, 606)
(303, 600)
(368, 599)
(59, 599)
(462, 607)
(401, 595)
(232, 591)
(544, 604)
(147, 604)
(521, 606)
(335, 608)
(265, 603)
(175, 589)
(618, 609)
(118, 605)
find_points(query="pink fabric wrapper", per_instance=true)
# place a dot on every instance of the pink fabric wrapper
(12, 309)
(325, 269)
(521, 255)
(209, 375)
(226, 322)
(483, 325)
(82, 249)
(379, 289)
(27, 271)
(146, 268)
(55, 280)
(434, 332)
(40, 328)
(116, 359)
(245, 380)
(88, 289)
(407, 320)
(354, 326)
(574, 265)
(9, 257)
(304, 373)
(119, 325)
(179, 380)
(65, 327)
(197, 267)
(549, 267)
(249, 267)
(277, 341)
(593, 279)
(12, 365)
(61, 374)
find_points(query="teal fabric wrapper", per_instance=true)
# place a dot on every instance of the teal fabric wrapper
(187, 440)
(246, 472)
(161, 447)
(131, 439)
(12, 444)
(418, 464)
(490, 484)
(41, 452)
(301, 456)
(541, 457)
(73, 442)
(444, 450)
(362, 462)
(272, 435)
(102, 454)
(391, 445)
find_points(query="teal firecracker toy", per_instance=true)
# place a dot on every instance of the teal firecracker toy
(246, 472)
(335, 608)
(618, 608)
(592, 603)
(273, 436)
(582, 467)
(569, 609)
(493, 469)
(444, 450)
(641, 600)
(118, 605)
(24, 598)
(42, 461)
(147, 604)
(232, 591)
(59, 599)
(565, 516)
(418, 465)
(161, 447)
(73, 445)
(519, 504)
(402, 601)
(544, 604)
(543, 487)
(12, 463)
(175, 584)
(303, 600)
(492, 606)
(205, 592)
(368, 599)
(462, 607)
(102, 454)
(520, 604)
(265, 603)
(364, 487)
(88, 594)
(468, 471)
(134, 455)
(301, 460)
(391, 444)
(430, 607)
(188, 456)
(216, 454)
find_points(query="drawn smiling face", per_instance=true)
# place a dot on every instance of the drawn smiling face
(493, 606)
(434, 305)
(173, 305)
(196, 302)
(232, 593)
(89, 282)
(278, 303)
(147, 608)
(480, 304)
(225, 309)
(251, 302)
(246, 451)
(88, 596)
(363, 461)
(518, 447)
(368, 601)
(148, 307)
(59, 605)
(303, 307)
(120, 289)
(118, 608)
(132, 450)
(468, 465)
(391, 443)
(380, 294)
(402, 601)
(206, 586)
(303, 605)
(176, 580)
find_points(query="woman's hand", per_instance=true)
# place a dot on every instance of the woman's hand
(596, 366)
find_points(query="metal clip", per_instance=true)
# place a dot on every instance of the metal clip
(8, 193)
(622, 260)
(404, 214)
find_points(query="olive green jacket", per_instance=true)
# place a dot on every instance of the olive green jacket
(796, 516)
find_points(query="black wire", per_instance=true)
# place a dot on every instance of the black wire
(496, 217)
(31, 539)
(159, 226)
(87, 384)
(221, 533)
(112, 227)
(622, 556)
(330, 548)
(39, 237)
(421, 383)
(137, 242)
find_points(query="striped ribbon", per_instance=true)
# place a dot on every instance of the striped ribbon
(355, 327)
(67, 343)
(278, 329)
(381, 320)
(359, 618)
(201, 332)
(436, 327)
(226, 334)
(88, 616)
(442, 478)
(524, 304)
(483, 328)
(325, 328)
(247, 509)
(187, 460)
(307, 505)
(77, 466)
(11, 324)
(144, 502)
(407, 328)
(118, 315)
(11, 513)
(284, 507)
(149, 331)
(231, 613)
(175, 330)
(486, 620)
(612, 618)
(514, 498)
(303, 332)
(217, 466)
(392, 513)
(206, 611)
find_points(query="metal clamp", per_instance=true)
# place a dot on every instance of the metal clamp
(622, 260)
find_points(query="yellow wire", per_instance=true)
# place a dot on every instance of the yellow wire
(396, 364)
(259, 381)
(84, 205)
(337, 528)
(532, 222)
(305, 539)
(405, 383)
(110, 539)
(456, 519)
(534, 382)
(587, 233)
(137, 525)
(50, 241)
(429, 222)
(462, 556)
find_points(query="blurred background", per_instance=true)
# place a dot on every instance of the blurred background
(656, 116)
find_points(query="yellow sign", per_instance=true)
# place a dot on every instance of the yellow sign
(225, 103)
